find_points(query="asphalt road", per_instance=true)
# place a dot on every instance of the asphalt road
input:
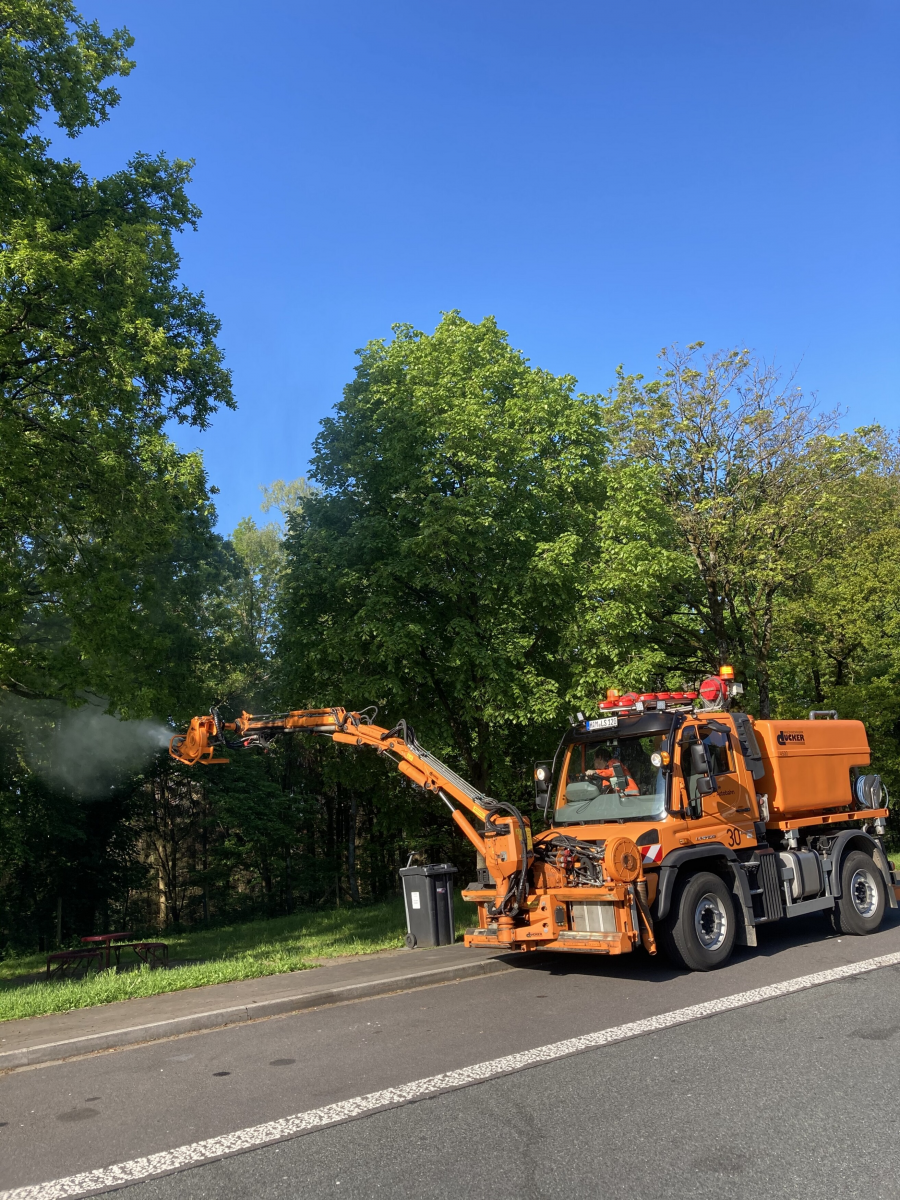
(794, 1097)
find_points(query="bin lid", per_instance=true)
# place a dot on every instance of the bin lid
(430, 869)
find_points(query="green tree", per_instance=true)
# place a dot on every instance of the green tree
(287, 497)
(438, 570)
(100, 345)
(134, 609)
(837, 633)
(260, 553)
(754, 488)
(112, 579)
(255, 591)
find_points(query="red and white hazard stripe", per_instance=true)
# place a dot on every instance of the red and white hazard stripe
(652, 854)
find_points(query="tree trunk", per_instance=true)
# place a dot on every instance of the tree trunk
(288, 884)
(331, 843)
(351, 852)
(163, 904)
(204, 838)
(265, 871)
(765, 700)
(707, 567)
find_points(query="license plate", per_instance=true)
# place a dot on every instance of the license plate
(603, 723)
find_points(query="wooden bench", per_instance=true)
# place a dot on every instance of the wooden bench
(67, 962)
(154, 954)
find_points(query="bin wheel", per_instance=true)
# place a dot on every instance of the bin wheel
(411, 941)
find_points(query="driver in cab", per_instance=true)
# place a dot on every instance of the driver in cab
(609, 769)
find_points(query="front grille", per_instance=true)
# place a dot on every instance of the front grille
(593, 916)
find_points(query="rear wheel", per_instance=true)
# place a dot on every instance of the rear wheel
(699, 931)
(863, 896)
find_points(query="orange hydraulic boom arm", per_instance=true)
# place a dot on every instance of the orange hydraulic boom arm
(506, 843)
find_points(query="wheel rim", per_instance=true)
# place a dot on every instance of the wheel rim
(863, 892)
(710, 921)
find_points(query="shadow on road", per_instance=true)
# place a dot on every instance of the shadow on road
(774, 940)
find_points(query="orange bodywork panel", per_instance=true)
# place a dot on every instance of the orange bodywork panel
(613, 906)
(808, 764)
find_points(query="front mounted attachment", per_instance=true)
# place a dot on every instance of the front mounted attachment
(204, 734)
(199, 744)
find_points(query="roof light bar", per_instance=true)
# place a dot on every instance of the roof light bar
(643, 700)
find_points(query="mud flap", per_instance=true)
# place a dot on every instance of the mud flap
(745, 931)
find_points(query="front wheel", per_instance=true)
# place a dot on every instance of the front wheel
(699, 931)
(863, 896)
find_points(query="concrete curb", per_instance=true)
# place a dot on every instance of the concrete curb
(114, 1039)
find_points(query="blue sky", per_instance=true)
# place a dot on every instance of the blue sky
(604, 178)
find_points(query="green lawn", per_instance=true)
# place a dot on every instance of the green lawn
(245, 951)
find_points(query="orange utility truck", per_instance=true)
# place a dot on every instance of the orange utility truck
(674, 822)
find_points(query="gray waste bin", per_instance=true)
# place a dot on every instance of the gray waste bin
(428, 896)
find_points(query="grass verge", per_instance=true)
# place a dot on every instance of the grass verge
(232, 952)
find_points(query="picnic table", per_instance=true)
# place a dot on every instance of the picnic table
(65, 962)
(106, 939)
(101, 947)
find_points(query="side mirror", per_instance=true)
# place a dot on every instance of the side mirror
(699, 765)
(706, 785)
(705, 780)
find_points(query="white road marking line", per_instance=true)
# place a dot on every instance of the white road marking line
(164, 1163)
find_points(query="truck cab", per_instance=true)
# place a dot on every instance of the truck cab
(732, 823)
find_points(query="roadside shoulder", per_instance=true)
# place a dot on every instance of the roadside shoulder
(36, 1040)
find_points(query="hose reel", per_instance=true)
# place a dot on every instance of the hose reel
(868, 791)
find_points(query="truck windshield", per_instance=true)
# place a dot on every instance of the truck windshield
(613, 780)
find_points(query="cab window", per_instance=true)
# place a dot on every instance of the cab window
(718, 752)
(613, 780)
(718, 749)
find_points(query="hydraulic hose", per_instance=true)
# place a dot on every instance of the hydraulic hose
(517, 887)
(648, 935)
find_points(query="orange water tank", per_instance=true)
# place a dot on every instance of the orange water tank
(808, 764)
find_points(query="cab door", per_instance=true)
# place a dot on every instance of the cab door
(725, 814)
(733, 802)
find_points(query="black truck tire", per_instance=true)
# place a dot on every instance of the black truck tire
(699, 930)
(863, 899)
